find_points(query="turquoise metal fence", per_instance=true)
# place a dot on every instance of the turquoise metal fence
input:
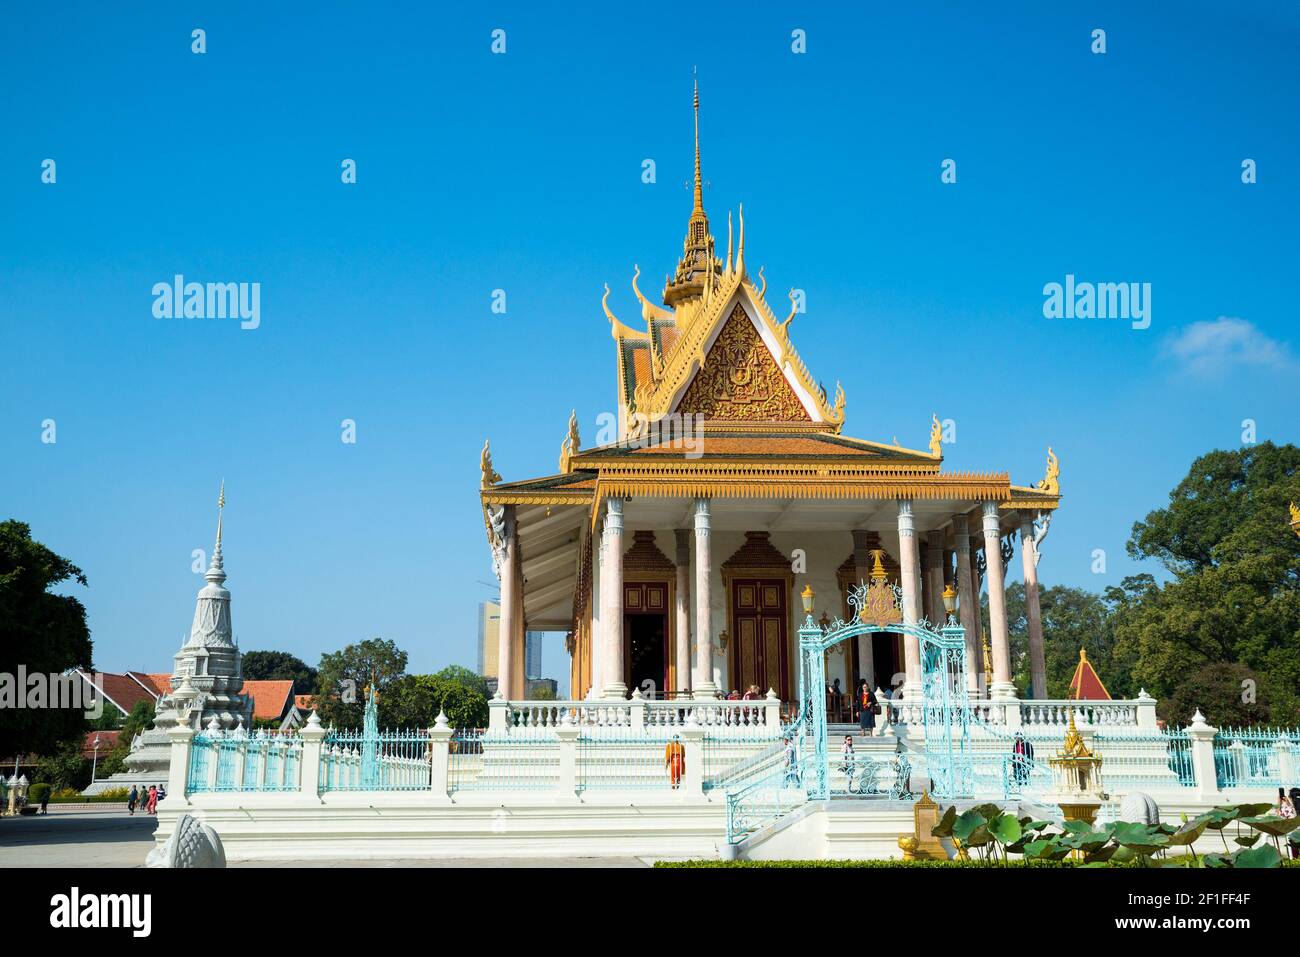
(610, 759)
(241, 762)
(375, 761)
(1253, 757)
(763, 802)
(1155, 759)
(523, 760)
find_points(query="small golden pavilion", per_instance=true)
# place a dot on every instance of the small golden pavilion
(673, 556)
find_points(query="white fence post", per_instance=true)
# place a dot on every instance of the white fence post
(498, 711)
(637, 710)
(439, 756)
(178, 772)
(693, 745)
(772, 717)
(313, 737)
(567, 733)
(1201, 736)
(1146, 712)
(1285, 762)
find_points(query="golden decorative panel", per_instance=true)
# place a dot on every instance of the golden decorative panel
(740, 380)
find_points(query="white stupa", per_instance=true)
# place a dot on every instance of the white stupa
(206, 682)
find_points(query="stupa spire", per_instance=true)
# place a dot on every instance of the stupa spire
(699, 182)
(698, 265)
(216, 567)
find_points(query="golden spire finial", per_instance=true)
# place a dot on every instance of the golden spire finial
(1051, 483)
(936, 436)
(699, 183)
(1295, 518)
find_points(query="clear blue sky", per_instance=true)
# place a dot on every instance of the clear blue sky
(522, 172)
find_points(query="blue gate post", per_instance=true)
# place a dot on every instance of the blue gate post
(812, 684)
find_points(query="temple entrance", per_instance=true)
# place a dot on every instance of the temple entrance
(759, 613)
(887, 656)
(647, 653)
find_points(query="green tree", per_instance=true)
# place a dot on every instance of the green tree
(64, 768)
(279, 666)
(44, 632)
(343, 676)
(415, 700)
(1234, 590)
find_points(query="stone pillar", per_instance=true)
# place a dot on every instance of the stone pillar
(567, 734)
(439, 758)
(1201, 736)
(510, 610)
(1003, 687)
(862, 569)
(1146, 712)
(968, 604)
(178, 771)
(703, 685)
(934, 579)
(693, 745)
(909, 560)
(1033, 613)
(611, 597)
(682, 649)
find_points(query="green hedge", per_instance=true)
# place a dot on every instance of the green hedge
(1181, 860)
(38, 793)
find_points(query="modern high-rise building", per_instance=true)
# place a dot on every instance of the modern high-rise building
(532, 654)
(489, 630)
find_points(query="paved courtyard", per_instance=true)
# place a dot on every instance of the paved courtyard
(67, 838)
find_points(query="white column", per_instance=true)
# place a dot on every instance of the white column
(510, 611)
(682, 650)
(910, 562)
(611, 613)
(1003, 687)
(597, 604)
(703, 686)
(1033, 612)
(968, 606)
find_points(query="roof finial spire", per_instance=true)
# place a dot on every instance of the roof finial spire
(217, 564)
(699, 183)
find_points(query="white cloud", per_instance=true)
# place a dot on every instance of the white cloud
(1224, 345)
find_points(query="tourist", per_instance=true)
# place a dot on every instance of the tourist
(1293, 797)
(675, 760)
(867, 715)
(131, 798)
(791, 763)
(1022, 754)
(162, 792)
(846, 754)
(151, 802)
(45, 801)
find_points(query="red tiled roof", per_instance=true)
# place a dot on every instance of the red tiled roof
(270, 698)
(161, 683)
(304, 701)
(106, 741)
(1085, 685)
(123, 690)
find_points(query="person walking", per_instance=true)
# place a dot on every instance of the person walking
(151, 802)
(867, 705)
(131, 798)
(675, 761)
(1022, 754)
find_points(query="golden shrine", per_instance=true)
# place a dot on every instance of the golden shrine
(672, 553)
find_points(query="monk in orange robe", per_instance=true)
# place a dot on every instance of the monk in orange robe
(675, 761)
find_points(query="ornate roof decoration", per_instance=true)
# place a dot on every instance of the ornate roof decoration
(490, 475)
(1051, 483)
(936, 436)
(757, 552)
(657, 365)
(572, 442)
(1295, 518)
(645, 556)
(740, 380)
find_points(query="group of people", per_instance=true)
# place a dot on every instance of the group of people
(147, 800)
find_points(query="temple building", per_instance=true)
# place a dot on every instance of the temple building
(674, 555)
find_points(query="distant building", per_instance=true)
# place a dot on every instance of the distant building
(489, 629)
(532, 655)
(533, 685)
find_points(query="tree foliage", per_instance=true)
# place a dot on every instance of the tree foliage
(1072, 619)
(343, 676)
(415, 700)
(279, 666)
(1234, 592)
(46, 633)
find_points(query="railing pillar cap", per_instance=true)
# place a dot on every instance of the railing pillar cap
(440, 723)
(180, 731)
(771, 695)
(1143, 696)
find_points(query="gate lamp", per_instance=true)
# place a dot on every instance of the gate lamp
(949, 599)
(807, 597)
